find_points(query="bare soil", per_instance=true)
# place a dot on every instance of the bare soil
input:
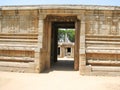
(57, 79)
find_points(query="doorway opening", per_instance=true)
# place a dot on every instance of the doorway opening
(62, 45)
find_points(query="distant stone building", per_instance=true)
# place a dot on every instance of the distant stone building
(28, 40)
(65, 50)
(65, 47)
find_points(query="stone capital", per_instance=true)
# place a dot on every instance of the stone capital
(81, 18)
(42, 16)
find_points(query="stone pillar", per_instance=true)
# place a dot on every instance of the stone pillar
(62, 51)
(76, 45)
(0, 22)
(0, 25)
(72, 51)
(38, 61)
(82, 54)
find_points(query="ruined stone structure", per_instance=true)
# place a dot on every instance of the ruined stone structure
(28, 40)
(65, 50)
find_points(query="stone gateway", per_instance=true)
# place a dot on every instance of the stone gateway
(28, 40)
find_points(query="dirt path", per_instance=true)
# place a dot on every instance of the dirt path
(57, 79)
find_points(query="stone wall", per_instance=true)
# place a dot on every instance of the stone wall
(102, 40)
(18, 40)
(25, 45)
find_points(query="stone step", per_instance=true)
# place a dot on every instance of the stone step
(106, 68)
(16, 64)
(18, 69)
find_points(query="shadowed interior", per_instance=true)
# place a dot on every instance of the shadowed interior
(55, 62)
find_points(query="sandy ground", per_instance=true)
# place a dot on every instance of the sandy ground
(57, 79)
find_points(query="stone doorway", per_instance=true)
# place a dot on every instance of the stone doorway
(60, 63)
(52, 23)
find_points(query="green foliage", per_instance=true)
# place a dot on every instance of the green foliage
(61, 34)
(70, 33)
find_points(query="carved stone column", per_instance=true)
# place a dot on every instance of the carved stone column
(0, 24)
(38, 61)
(82, 54)
(1, 21)
(76, 45)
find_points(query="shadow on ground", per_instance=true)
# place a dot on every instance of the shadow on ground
(62, 65)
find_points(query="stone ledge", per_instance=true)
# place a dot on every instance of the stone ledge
(18, 47)
(104, 51)
(31, 7)
(103, 71)
(17, 59)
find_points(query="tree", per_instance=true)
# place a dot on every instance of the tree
(61, 34)
(70, 34)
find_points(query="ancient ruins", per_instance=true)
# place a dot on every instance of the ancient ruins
(28, 40)
(65, 50)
